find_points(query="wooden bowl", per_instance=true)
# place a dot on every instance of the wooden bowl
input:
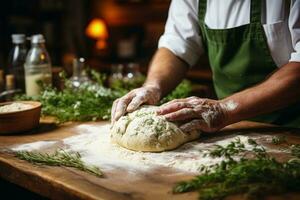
(19, 121)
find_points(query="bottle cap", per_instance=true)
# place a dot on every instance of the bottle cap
(38, 38)
(18, 38)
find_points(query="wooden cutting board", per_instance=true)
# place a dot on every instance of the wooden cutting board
(66, 183)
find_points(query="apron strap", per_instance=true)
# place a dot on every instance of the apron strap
(202, 9)
(255, 11)
(287, 9)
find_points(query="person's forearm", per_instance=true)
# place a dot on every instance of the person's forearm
(166, 71)
(278, 91)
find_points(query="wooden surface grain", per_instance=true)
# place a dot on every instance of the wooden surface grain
(119, 184)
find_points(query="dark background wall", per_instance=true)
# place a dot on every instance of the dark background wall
(63, 24)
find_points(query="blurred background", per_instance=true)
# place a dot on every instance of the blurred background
(107, 33)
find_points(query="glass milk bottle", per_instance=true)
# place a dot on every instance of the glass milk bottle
(37, 66)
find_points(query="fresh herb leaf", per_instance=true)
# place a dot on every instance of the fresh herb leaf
(183, 90)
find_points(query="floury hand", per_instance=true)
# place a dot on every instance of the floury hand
(197, 113)
(149, 94)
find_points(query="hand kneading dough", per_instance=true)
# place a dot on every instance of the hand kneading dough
(143, 130)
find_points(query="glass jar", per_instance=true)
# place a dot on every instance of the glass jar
(37, 66)
(79, 76)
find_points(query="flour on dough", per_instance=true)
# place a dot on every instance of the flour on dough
(143, 130)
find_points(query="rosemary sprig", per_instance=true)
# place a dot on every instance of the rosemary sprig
(58, 158)
(255, 178)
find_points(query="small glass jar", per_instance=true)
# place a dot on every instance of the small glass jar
(79, 76)
(37, 66)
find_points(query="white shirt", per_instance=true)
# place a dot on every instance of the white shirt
(281, 26)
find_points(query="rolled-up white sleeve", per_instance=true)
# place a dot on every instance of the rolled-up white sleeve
(182, 29)
(294, 26)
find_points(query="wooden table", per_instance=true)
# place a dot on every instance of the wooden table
(66, 183)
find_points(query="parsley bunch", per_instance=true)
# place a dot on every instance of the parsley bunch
(255, 178)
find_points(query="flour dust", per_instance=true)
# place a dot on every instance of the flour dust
(93, 143)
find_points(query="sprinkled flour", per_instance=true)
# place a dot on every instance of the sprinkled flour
(210, 114)
(34, 146)
(229, 105)
(14, 107)
(95, 147)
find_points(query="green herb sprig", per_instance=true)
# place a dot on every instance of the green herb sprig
(58, 158)
(183, 90)
(233, 148)
(256, 177)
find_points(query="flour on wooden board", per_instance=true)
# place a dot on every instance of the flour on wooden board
(95, 147)
(34, 146)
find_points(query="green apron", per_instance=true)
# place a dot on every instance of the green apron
(240, 58)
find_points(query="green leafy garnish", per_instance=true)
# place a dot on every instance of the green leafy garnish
(233, 148)
(255, 178)
(58, 158)
(183, 90)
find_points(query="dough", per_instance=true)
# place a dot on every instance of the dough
(143, 130)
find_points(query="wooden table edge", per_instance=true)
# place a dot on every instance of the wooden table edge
(31, 180)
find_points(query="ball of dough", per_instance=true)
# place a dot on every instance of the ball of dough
(143, 130)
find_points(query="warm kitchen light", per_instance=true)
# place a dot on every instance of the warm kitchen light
(97, 29)
(101, 44)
